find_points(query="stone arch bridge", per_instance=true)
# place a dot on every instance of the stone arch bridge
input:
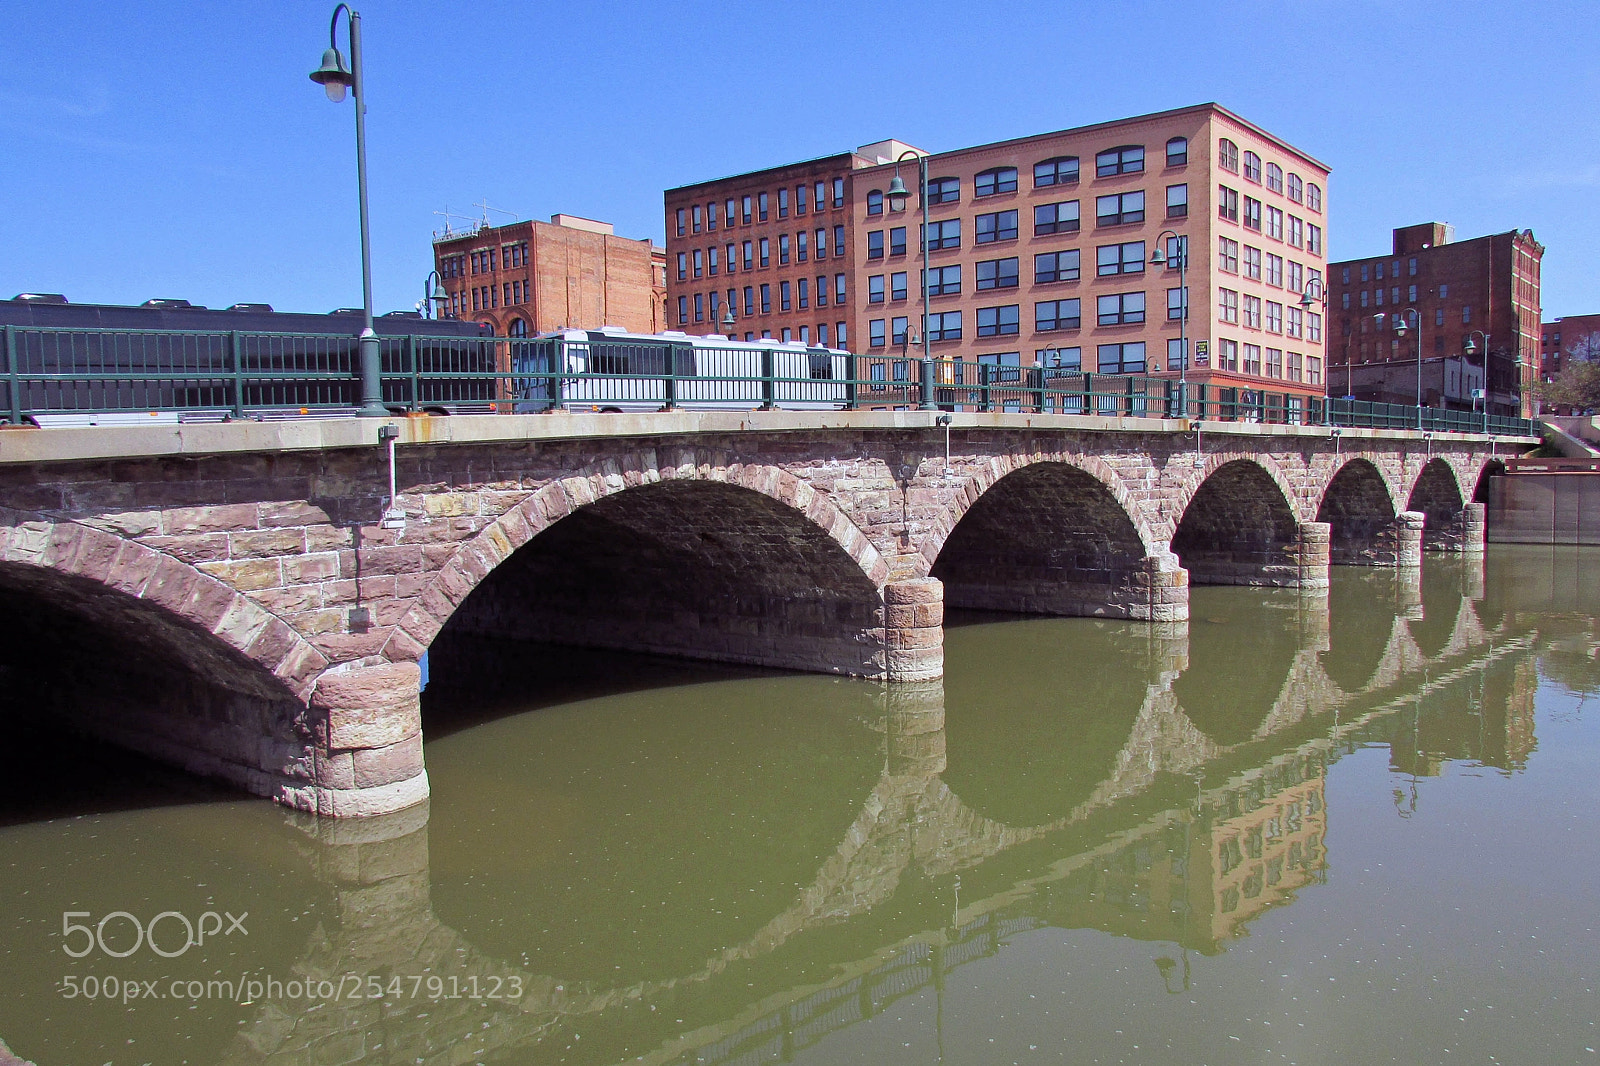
(269, 620)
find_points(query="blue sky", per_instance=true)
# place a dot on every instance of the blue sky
(165, 149)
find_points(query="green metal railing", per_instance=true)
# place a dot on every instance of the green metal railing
(56, 374)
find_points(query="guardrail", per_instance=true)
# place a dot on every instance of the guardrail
(53, 375)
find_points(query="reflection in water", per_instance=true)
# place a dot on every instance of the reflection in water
(736, 866)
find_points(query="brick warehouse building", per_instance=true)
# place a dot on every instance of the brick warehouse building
(1558, 338)
(530, 277)
(1486, 284)
(1039, 246)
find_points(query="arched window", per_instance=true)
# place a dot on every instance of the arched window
(1062, 170)
(1314, 196)
(944, 190)
(1274, 177)
(1178, 152)
(518, 328)
(1124, 159)
(1252, 167)
(992, 182)
(1296, 188)
(875, 202)
(1228, 155)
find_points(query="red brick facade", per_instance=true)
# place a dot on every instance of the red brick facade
(1485, 286)
(532, 277)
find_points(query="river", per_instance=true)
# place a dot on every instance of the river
(1359, 828)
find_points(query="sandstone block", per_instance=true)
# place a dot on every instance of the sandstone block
(914, 591)
(245, 574)
(370, 707)
(266, 542)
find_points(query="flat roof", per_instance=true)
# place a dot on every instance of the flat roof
(763, 170)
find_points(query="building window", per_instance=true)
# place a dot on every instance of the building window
(1313, 326)
(1252, 213)
(801, 242)
(838, 240)
(699, 263)
(1120, 309)
(1275, 223)
(822, 290)
(1119, 208)
(783, 249)
(1252, 262)
(1228, 203)
(1363, 302)
(749, 300)
(1120, 358)
(1274, 177)
(998, 321)
(1252, 312)
(761, 206)
(1274, 317)
(1056, 266)
(803, 290)
(1296, 276)
(1444, 291)
(945, 327)
(1125, 258)
(1296, 232)
(897, 286)
(749, 260)
(875, 244)
(716, 318)
(947, 234)
(1252, 167)
(1275, 270)
(1314, 197)
(1178, 152)
(1228, 255)
(1314, 238)
(744, 210)
(996, 181)
(1466, 314)
(683, 265)
(1228, 305)
(800, 200)
(766, 253)
(732, 256)
(997, 274)
(683, 309)
(1293, 324)
(838, 201)
(1177, 304)
(822, 243)
(1228, 354)
(766, 299)
(875, 202)
(785, 300)
(1125, 159)
(711, 217)
(822, 330)
(783, 202)
(897, 240)
(1177, 201)
(876, 335)
(1057, 314)
(944, 281)
(699, 308)
(1055, 218)
(1313, 370)
(1296, 188)
(996, 226)
(1411, 295)
(944, 190)
(1274, 367)
(694, 215)
(1062, 170)
(1228, 155)
(838, 293)
(711, 262)
(680, 221)
(1411, 266)
(840, 337)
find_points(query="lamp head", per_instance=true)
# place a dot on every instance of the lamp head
(1158, 257)
(439, 296)
(1305, 298)
(728, 321)
(333, 75)
(897, 187)
(1470, 348)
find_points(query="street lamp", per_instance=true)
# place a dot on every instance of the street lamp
(335, 77)
(1470, 350)
(897, 202)
(1159, 258)
(728, 322)
(433, 295)
(1401, 324)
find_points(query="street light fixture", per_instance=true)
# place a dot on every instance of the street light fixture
(897, 202)
(1307, 302)
(1159, 258)
(433, 295)
(728, 322)
(335, 77)
(1401, 324)
(1469, 350)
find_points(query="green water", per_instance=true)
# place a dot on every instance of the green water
(1358, 829)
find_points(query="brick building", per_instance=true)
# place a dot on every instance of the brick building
(1485, 286)
(530, 277)
(1558, 338)
(1039, 249)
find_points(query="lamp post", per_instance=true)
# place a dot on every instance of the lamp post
(728, 323)
(1159, 258)
(897, 192)
(1470, 350)
(336, 78)
(1400, 327)
(1307, 302)
(434, 298)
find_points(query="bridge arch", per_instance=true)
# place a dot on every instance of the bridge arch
(1436, 495)
(1238, 525)
(1056, 534)
(742, 563)
(1491, 468)
(1358, 505)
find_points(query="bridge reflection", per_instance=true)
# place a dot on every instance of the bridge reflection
(1197, 815)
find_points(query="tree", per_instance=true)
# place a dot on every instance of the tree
(1578, 384)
